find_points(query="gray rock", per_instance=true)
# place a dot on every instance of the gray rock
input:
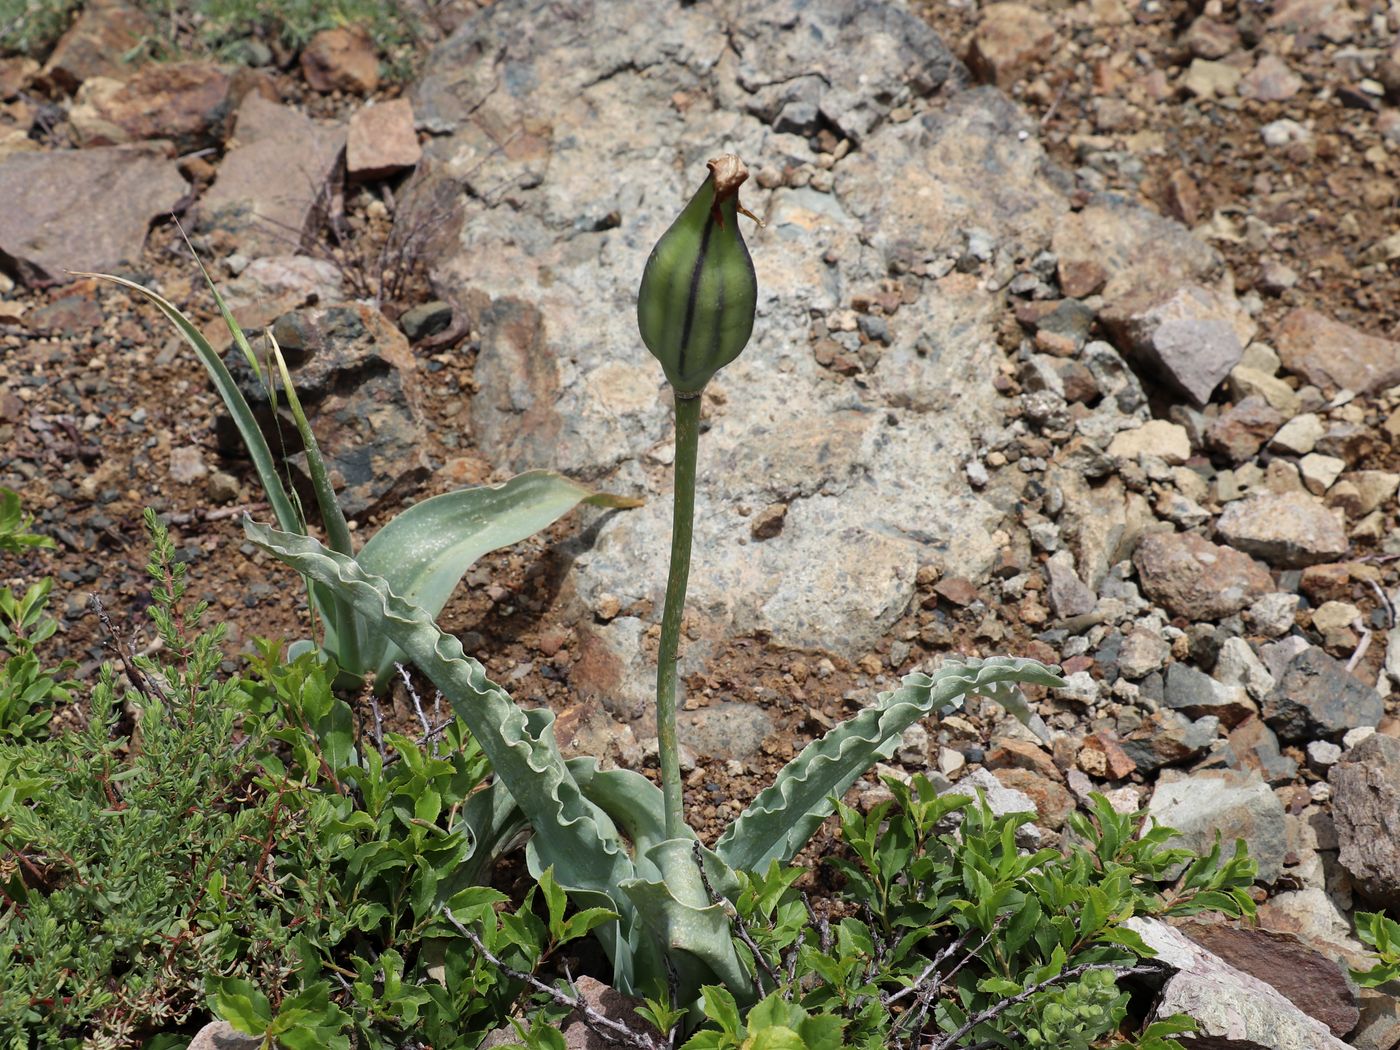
(1237, 805)
(273, 184)
(1317, 698)
(1195, 693)
(1379, 1027)
(725, 730)
(426, 319)
(220, 1035)
(1191, 340)
(1000, 800)
(358, 382)
(1068, 595)
(1231, 1009)
(1166, 738)
(47, 225)
(1289, 530)
(1128, 254)
(550, 237)
(1274, 614)
(1142, 652)
(1366, 810)
(1237, 665)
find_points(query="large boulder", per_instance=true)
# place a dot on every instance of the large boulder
(47, 225)
(869, 193)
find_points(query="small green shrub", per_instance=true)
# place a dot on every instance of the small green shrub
(1381, 934)
(955, 936)
(234, 842)
(28, 690)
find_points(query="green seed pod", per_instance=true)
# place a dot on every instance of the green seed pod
(696, 305)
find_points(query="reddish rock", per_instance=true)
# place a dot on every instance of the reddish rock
(16, 74)
(1052, 800)
(381, 141)
(190, 103)
(341, 59)
(1327, 583)
(95, 44)
(1008, 38)
(1288, 529)
(1021, 754)
(46, 223)
(1309, 980)
(1271, 80)
(1103, 757)
(1240, 431)
(272, 184)
(1197, 579)
(956, 590)
(1333, 356)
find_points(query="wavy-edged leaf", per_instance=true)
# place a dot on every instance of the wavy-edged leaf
(677, 909)
(424, 552)
(571, 834)
(783, 817)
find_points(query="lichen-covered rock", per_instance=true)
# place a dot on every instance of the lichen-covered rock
(1366, 811)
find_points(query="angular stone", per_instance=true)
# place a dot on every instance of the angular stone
(1252, 745)
(1195, 693)
(46, 225)
(1053, 802)
(341, 59)
(95, 43)
(1167, 738)
(1237, 665)
(1141, 653)
(1362, 491)
(1103, 756)
(1366, 810)
(1231, 1009)
(381, 140)
(1197, 579)
(357, 379)
(1250, 382)
(1191, 339)
(1379, 1027)
(1289, 530)
(1241, 430)
(189, 103)
(1315, 984)
(1206, 79)
(1142, 256)
(271, 185)
(1167, 441)
(1068, 594)
(1009, 37)
(220, 1035)
(725, 730)
(1100, 523)
(1271, 80)
(1299, 435)
(1319, 472)
(16, 74)
(1236, 805)
(1317, 698)
(556, 226)
(1332, 356)
(1010, 753)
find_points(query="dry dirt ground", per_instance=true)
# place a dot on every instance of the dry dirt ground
(113, 390)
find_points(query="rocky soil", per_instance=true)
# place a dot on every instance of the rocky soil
(1074, 342)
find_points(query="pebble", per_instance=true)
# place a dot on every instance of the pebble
(1156, 437)
(1299, 435)
(1319, 472)
(221, 487)
(1289, 530)
(1273, 615)
(1279, 133)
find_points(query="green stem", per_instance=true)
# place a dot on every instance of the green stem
(682, 518)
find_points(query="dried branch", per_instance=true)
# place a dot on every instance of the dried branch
(603, 1025)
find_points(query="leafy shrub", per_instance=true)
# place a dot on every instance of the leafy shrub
(287, 873)
(1382, 934)
(28, 689)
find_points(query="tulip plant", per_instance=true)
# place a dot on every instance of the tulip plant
(423, 552)
(613, 839)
